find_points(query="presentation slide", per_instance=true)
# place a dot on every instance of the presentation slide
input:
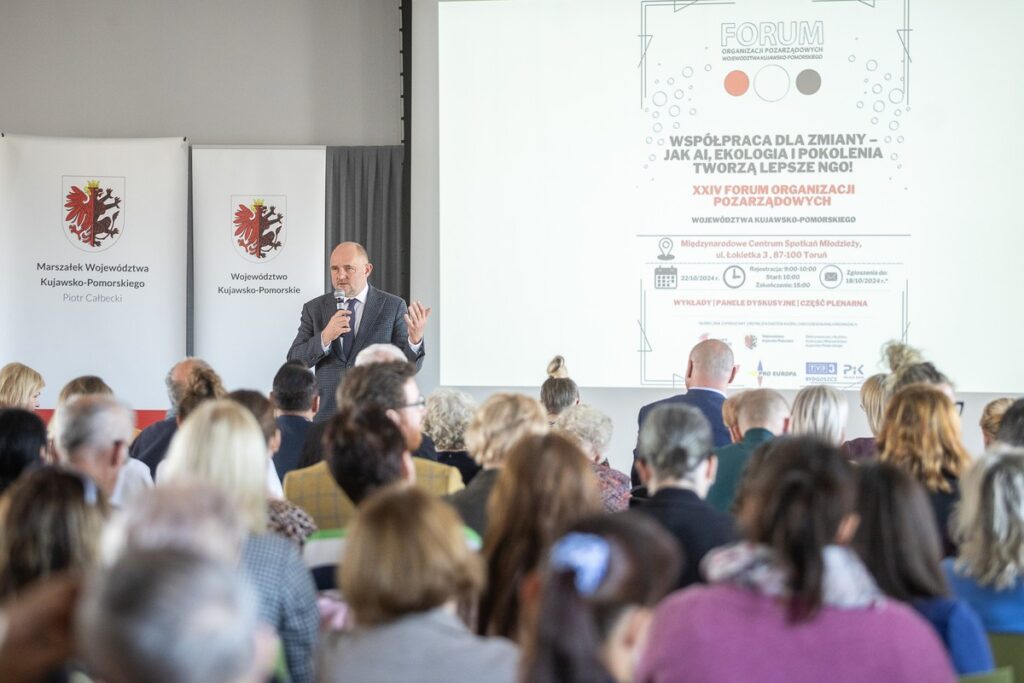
(804, 179)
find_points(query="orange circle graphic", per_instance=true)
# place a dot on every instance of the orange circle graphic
(736, 83)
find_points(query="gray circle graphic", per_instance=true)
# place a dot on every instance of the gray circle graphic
(808, 82)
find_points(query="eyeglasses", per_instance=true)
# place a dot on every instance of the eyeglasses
(419, 403)
(959, 407)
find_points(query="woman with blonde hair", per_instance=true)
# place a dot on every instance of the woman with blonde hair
(819, 411)
(991, 418)
(921, 435)
(20, 387)
(872, 402)
(497, 424)
(221, 442)
(546, 486)
(406, 572)
(989, 528)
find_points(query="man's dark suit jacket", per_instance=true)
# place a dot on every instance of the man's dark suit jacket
(293, 437)
(382, 322)
(696, 525)
(151, 445)
(707, 402)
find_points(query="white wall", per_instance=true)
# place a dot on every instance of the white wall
(620, 404)
(217, 71)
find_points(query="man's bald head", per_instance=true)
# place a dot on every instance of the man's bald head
(711, 365)
(764, 409)
(350, 267)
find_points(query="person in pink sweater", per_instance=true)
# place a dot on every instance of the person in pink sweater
(792, 603)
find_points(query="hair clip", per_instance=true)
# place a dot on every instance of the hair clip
(585, 554)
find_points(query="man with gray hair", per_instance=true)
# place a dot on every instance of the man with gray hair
(710, 369)
(93, 436)
(761, 415)
(677, 466)
(170, 616)
(151, 445)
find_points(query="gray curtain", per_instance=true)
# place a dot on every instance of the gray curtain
(364, 204)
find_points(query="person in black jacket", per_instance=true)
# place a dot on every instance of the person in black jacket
(677, 465)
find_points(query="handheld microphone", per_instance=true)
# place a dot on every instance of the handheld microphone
(340, 299)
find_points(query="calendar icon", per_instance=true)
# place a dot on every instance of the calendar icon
(666, 277)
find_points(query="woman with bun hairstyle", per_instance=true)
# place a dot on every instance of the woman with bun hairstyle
(558, 391)
(599, 587)
(793, 602)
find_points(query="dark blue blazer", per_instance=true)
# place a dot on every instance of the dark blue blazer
(707, 402)
(293, 437)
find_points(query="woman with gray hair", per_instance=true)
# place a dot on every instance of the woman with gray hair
(819, 411)
(989, 528)
(448, 414)
(592, 431)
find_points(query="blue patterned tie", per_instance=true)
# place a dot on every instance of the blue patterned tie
(349, 337)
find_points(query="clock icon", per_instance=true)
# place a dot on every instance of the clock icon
(734, 277)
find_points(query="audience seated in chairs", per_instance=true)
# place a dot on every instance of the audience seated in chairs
(407, 572)
(592, 431)
(448, 415)
(220, 442)
(989, 529)
(677, 465)
(792, 602)
(93, 435)
(22, 444)
(545, 485)
(296, 399)
(898, 542)
(921, 435)
(499, 423)
(598, 587)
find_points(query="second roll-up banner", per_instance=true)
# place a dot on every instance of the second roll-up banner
(258, 236)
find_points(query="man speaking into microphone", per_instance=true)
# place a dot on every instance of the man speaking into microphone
(336, 326)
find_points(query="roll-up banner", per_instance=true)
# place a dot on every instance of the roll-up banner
(93, 263)
(258, 246)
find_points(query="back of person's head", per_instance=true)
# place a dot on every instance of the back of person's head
(294, 388)
(729, 417)
(711, 365)
(558, 391)
(191, 516)
(989, 526)
(752, 467)
(921, 434)
(762, 409)
(499, 422)
(168, 616)
(448, 414)
(674, 441)
(406, 553)
(22, 443)
(897, 537)
(93, 423)
(380, 353)
(992, 418)
(546, 485)
(201, 384)
(52, 522)
(819, 411)
(260, 407)
(872, 401)
(19, 386)
(591, 429)
(378, 384)
(1011, 427)
(907, 366)
(86, 385)
(802, 494)
(221, 443)
(605, 570)
(365, 451)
